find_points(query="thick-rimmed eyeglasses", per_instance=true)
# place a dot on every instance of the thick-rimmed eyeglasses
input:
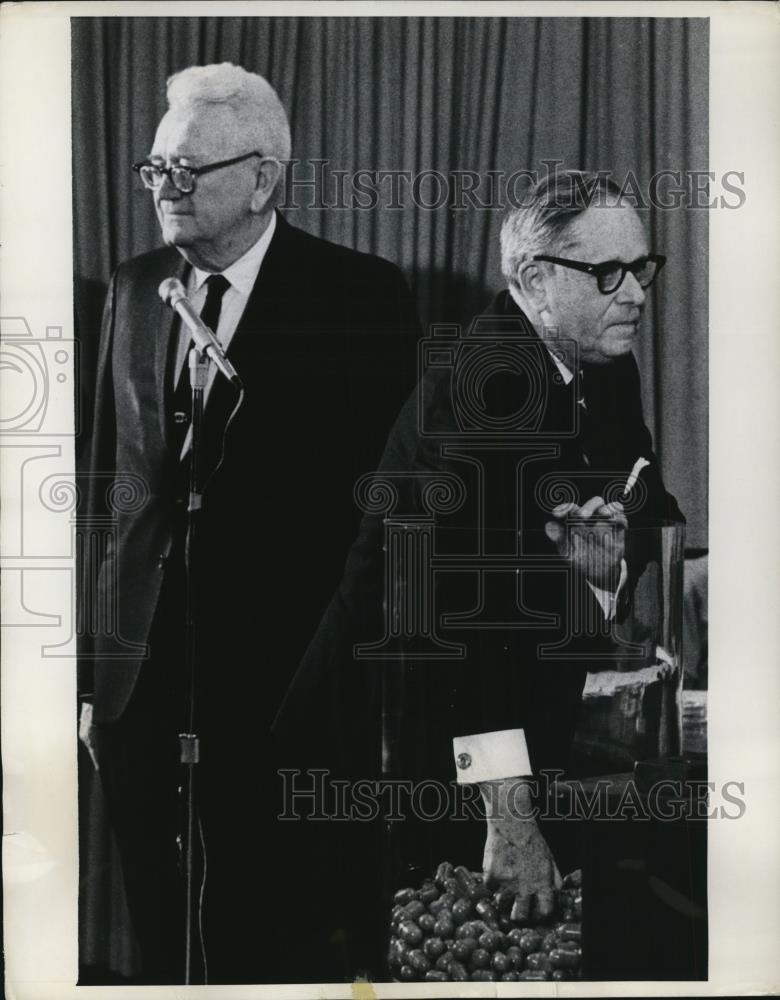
(609, 274)
(183, 178)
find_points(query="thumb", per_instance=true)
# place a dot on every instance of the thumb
(544, 903)
(554, 531)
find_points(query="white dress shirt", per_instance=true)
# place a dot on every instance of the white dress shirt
(242, 275)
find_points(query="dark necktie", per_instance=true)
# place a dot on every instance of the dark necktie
(216, 286)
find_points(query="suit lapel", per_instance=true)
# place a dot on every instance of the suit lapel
(253, 339)
(266, 303)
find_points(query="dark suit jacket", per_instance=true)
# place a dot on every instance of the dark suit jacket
(326, 350)
(493, 411)
(517, 442)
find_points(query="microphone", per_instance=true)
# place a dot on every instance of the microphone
(171, 291)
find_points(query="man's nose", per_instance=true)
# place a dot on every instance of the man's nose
(631, 291)
(168, 189)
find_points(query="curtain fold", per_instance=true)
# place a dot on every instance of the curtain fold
(447, 100)
(436, 95)
(443, 95)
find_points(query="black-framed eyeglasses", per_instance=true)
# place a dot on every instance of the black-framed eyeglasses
(609, 274)
(182, 178)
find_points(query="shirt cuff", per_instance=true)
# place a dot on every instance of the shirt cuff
(491, 756)
(606, 598)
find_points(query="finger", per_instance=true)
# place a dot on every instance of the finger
(611, 512)
(491, 880)
(593, 504)
(562, 509)
(618, 520)
(544, 903)
(504, 900)
(618, 511)
(522, 907)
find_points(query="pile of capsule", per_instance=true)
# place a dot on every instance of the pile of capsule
(454, 929)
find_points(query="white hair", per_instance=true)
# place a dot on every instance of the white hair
(541, 222)
(250, 96)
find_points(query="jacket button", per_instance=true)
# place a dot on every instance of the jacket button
(161, 562)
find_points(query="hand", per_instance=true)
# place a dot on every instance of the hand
(517, 857)
(592, 538)
(87, 732)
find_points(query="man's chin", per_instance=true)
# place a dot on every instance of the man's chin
(616, 349)
(621, 342)
(177, 233)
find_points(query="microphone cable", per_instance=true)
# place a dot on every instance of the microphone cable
(228, 422)
(201, 896)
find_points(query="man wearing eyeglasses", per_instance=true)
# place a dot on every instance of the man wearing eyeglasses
(541, 396)
(324, 340)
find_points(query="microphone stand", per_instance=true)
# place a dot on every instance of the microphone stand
(189, 741)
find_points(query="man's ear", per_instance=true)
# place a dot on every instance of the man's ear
(532, 284)
(267, 178)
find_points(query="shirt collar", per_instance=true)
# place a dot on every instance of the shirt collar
(243, 272)
(566, 374)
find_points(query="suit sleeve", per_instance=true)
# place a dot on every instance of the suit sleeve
(393, 316)
(94, 474)
(334, 702)
(384, 365)
(500, 685)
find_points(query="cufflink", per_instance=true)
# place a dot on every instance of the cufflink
(464, 761)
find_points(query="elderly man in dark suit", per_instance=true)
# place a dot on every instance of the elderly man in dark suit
(531, 423)
(323, 339)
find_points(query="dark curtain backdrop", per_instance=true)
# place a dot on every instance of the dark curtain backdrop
(445, 94)
(416, 94)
